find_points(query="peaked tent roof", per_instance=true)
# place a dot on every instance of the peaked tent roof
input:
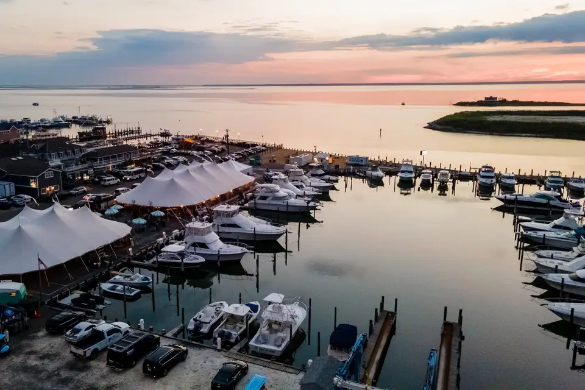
(56, 235)
(238, 166)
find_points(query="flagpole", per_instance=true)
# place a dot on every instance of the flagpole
(40, 279)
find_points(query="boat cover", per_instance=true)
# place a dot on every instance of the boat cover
(253, 307)
(344, 335)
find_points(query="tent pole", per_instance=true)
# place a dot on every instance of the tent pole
(115, 255)
(81, 258)
(70, 277)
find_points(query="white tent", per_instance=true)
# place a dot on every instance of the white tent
(186, 185)
(56, 235)
(238, 166)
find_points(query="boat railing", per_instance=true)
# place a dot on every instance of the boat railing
(236, 243)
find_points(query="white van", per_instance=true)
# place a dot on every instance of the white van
(109, 181)
(121, 190)
(133, 174)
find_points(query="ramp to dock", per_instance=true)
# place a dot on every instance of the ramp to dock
(377, 346)
(449, 356)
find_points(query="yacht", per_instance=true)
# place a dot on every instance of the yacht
(174, 256)
(569, 221)
(374, 173)
(228, 222)
(297, 175)
(574, 253)
(128, 278)
(560, 240)
(558, 266)
(201, 240)
(299, 188)
(120, 291)
(204, 321)
(318, 172)
(341, 341)
(443, 177)
(406, 171)
(563, 310)
(508, 180)
(554, 181)
(426, 176)
(234, 320)
(272, 198)
(280, 323)
(538, 200)
(486, 176)
(573, 283)
(576, 185)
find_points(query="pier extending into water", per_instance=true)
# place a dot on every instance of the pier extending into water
(381, 331)
(448, 376)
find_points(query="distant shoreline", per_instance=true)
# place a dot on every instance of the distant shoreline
(515, 103)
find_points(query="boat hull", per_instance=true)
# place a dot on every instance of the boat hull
(551, 241)
(568, 288)
(564, 312)
(250, 236)
(375, 175)
(283, 208)
(175, 264)
(223, 256)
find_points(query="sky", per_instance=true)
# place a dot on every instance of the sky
(193, 42)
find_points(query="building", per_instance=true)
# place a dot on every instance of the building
(31, 176)
(111, 156)
(9, 135)
(320, 374)
(58, 152)
(490, 99)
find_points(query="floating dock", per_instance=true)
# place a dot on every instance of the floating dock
(449, 356)
(377, 347)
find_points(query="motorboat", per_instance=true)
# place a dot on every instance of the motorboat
(272, 198)
(234, 320)
(280, 323)
(406, 172)
(539, 200)
(204, 321)
(508, 180)
(318, 172)
(576, 185)
(128, 278)
(341, 341)
(228, 222)
(374, 173)
(563, 310)
(558, 266)
(573, 283)
(443, 177)
(201, 240)
(298, 188)
(174, 256)
(297, 174)
(120, 291)
(569, 221)
(560, 240)
(464, 176)
(554, 181)
(426, 177)
(486, 176)
(577, 251)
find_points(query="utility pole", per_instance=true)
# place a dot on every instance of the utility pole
(227, 139)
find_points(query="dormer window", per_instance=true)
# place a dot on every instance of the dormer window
(61, 154)
(69, 153)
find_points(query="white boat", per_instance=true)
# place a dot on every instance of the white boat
(576, 185)
(201, 240)
(318, 172)
(374, 173)
(203, 322)
(174, 256)
(234, 321)
(298, 188)
(554, 181)
(539, 200)
(563, 310)
(426, 177)
(486, 176)
(569, 221)
(228, 222)
(573, 283)
(270, 197)
(341, 341)
(577, 251)
(443, 177)
(560, 240)
(280, 323)
(553, 265)
(508, 180)
(297, 174)
(406, 171)
(119, 291)
(128, 278)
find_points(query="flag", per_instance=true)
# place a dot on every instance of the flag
(423, 152)
(41, 262)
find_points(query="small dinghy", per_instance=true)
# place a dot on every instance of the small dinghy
(119, 291)
(128, 278)
(202, 323)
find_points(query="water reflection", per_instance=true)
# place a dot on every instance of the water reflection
(285, 218)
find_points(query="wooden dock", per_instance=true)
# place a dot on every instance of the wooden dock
(449, 356)
(377, 346)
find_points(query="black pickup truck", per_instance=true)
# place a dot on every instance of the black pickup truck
(126, 352)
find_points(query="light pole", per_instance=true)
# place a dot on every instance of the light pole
(227, 139)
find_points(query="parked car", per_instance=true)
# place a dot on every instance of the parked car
(126, 352)
(229, 375)
(121, 190)
(159, 362)
(63, 321)
(78, 191)
(109, 181)
(4, 204)
(81, 330)
(98, 179)
(100, 338)
(21, 200)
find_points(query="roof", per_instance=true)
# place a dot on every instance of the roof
(10, 286)
(53, 145)
(111, 150)
(9, 135)
(321, 372)
(23, 166)
(274, 297)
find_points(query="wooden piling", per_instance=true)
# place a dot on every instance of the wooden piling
(445, 314)
(124, 295)
(177, 295)
(210, 295)
(309, 334)
(335, 317)
(318, 343)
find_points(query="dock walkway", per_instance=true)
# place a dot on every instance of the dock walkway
(449, 356)
(377, 346)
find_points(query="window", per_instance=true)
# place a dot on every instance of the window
(77, 152)
(61, 154)
(201, 245)
(48, 174)
(43, 191)
(229, 225)
(262, 197)
(69, 153)
(53, 156)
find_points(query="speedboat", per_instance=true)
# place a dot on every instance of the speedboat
(318, 172)
(174, 256)
(553, 265)
(426, 178)
(228, 222)
(280, 323)
(298, 188)
(201, 240)
(576, 185)
(573, 283)
(234, 320)
(577, 251)
(270, 197)
(406, 171)
(341, 341)
(128, 278)
(297, 174)
(374, 173)
(539, 200)
(486, 176)
(202, 322)
(554, 181)
(567, 222)
(508, 180)
(119, 291)
(443, 177)
(563, 310)
(560, 240)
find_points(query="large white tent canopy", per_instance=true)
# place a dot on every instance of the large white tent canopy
(186, 185)
(238, 166)
(56, 235)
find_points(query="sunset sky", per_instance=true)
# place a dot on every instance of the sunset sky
(49, 42)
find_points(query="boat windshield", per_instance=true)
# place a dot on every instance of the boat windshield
(555, 180)
(576, 278)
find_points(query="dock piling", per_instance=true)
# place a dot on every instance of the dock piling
(309, 335)
(183, 320)
(210, 295)
(153, 300)
(318, 343)
(371, 328)
(571, 326)
(177, 295)
(382, 304)
(445, 314)
(395, 305)
(124, 295)
(257, 273)
(335, 318)
(240, 298)
(562, 287)
(460, 318)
